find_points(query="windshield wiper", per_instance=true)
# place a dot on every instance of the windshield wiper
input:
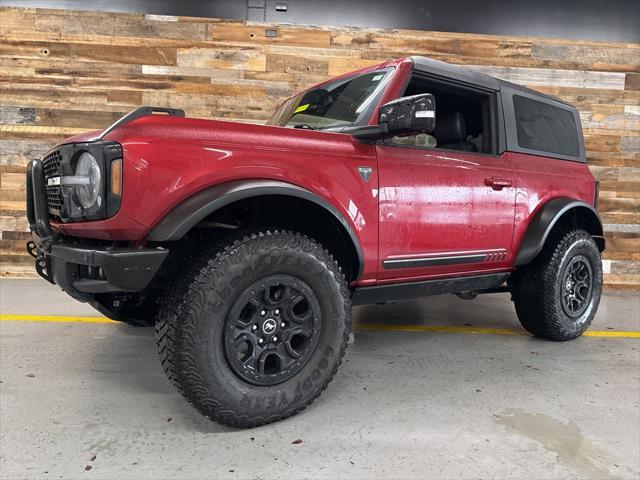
(305, 126)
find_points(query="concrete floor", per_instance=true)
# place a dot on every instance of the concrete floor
(84, 400)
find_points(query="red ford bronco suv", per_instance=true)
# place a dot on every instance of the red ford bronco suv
(247, 245)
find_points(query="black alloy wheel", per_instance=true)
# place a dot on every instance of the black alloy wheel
(577, 286)
(272, 330)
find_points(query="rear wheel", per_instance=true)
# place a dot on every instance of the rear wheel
(254, 331)
(557, 295)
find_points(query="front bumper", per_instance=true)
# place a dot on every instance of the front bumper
(83, 269)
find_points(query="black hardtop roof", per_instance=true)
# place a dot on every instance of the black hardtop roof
(468, 75)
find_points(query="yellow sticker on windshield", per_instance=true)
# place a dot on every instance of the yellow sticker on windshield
(301, 108)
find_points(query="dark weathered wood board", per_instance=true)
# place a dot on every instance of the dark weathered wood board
(62, 72)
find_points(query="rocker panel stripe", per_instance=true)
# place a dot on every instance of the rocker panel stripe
(452, 258)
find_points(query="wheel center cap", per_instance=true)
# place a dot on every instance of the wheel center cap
(269, 326)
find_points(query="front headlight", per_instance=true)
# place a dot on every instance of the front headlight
(84, 187)
(88, 189)
(86, 184)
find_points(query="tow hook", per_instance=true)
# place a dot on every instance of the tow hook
(32, 249)
(43, 268)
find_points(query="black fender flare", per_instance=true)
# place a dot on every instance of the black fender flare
(544, 221)
(188, 213)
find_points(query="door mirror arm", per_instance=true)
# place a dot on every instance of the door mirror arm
(369, 133)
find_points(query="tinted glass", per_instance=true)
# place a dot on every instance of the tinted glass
(342, 103)
(544, 127)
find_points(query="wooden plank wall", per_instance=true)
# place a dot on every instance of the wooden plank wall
(63, 72)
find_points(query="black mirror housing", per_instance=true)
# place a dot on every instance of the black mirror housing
(403, 116)
(409, 115)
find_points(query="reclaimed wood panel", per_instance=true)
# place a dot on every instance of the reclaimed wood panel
(56, 51)
(64, 71)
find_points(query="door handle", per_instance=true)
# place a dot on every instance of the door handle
(498, 183)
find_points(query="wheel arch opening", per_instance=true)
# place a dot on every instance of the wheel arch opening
(559, 216)
(584, 218)
(279, 212)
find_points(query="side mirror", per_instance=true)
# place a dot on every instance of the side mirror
(409, 115)
(404, 116)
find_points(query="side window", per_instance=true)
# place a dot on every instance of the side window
(463, 118)
(545, 127)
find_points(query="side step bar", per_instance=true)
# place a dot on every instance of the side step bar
(406, 291)
(140, 112)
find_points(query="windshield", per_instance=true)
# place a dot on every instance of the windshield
(343, 103)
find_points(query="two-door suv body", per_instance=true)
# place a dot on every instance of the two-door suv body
(246, 245)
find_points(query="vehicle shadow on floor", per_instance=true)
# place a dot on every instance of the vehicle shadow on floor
(489, 311)
(136, 367)
(403, 365)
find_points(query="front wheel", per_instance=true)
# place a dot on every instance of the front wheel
(254, 331)
(557, 295)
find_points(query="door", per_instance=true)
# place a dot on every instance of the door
(443, 212)
(447, 200)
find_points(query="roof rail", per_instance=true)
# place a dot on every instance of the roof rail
(137, 113)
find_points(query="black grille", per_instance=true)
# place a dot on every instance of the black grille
(51, 166)
(54, 200)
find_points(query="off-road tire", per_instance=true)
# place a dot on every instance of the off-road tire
(537, 289)
(192, 322)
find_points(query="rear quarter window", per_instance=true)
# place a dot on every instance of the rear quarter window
(545, 128)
